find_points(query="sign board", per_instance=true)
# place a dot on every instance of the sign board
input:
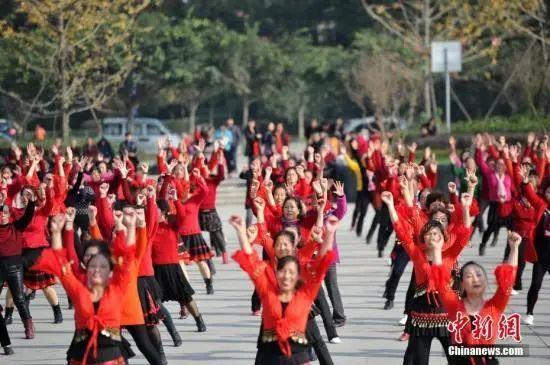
(454, 56)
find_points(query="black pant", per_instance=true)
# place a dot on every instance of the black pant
(360, 210)
(386, 228)
(410, 294)
(143, 341)
(521, 261)
(398, 267)
(375, 222)
(418, 350)
(317, 342)
(11, 271)
(494, 223)
(331, 282)
(536, 282)
(217, 241)
(322, 304)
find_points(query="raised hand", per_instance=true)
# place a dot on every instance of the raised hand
(387, 197)
(150, 191)
(514, 239)
(92, 214)
(140, 199)
(466, 199)
(412, 147)
(140, 217)
(339, 188)
(70, 214)
(259, 203)
(103, 190)
(452, 187)
(317, 233)
(56, 223)
(236, 221)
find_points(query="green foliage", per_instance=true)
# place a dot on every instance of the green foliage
(515, 124)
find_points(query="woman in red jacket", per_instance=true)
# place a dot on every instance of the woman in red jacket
(98, 302)
(34, 242)
(287, 302)
(471, 304)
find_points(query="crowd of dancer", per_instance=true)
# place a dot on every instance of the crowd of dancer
(120, 241)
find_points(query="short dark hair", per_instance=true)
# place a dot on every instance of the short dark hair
(430, 225)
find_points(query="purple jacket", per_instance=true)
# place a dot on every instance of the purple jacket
(339, 212)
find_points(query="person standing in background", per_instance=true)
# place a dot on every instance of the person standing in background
(268, 140)
(253, 138)
(232, 155)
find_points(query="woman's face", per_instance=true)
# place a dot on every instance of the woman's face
(500, 166)
(178, 170)
(6, 173)
(26, 196)
(5, 219)
(102, 168)
(292, 177)
(424, 197)
(290, 209)
(98, 271)
(287, 277)
(96, 176)
(471, 163)
(441, 218)
(90, 251)
(283, 247)
(474, 281)
(433, 236)
(279, 195)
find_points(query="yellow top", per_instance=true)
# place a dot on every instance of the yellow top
(354, 166)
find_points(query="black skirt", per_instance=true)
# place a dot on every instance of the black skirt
(196, 247)
(427, 315)
(271, 354)
(34, 279)
(150, 296)
(107, 350)
(173, 283)
(209, 220)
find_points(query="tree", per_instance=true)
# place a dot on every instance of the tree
(480, 26)
(253, 68)
(306, 66)
(77, 52)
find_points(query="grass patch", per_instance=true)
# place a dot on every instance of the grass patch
(520, 123)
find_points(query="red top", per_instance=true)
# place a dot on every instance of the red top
(422, 268)
(34, 235)
(294, 319)
(494, 307)
(111, 304)
(188, 212)
(540, 206)
(11, 233)
(151, 219)
(165, 240)
(212, 182)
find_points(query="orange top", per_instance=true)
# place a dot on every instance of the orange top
(131, 305)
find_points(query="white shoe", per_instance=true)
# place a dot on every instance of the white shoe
(403, 320)
(514, 292)
(389, 263)
(335, 340)
(528, 320)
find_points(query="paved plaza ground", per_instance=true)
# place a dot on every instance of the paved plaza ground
(370, 336)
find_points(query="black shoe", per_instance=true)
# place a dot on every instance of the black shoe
(177, 339)
(57, 315)
(369, 240)
(8, 316)
(481, 250)
(341, 322)
(209, 286)
(201, 327)
(70, 305)
(380, 253)
(388, 305)
(494, 242)
(8, 350)
(518, 287)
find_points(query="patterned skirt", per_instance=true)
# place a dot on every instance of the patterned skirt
(209, 220)
(34, 279)
(173, 283)
(196, 247)
(150, 296)
(427, 316)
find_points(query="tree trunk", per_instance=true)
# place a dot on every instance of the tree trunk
(193, 106)
(427, 69)
(211, 113)
(246, 107)
(65, 125)
(301, 122)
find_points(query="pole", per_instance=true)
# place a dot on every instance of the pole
(447, 92)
